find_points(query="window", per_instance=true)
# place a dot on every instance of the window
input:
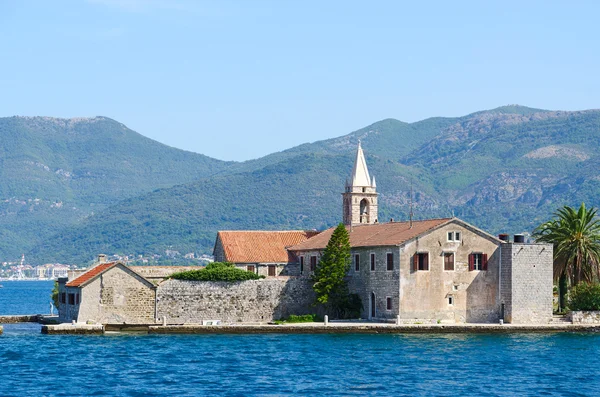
(302, 264)
(313, 263)
(449, 261)
(421, 261)
(251, 268)
(63, 297)
(390, 261)
(478, 261)
(272, 270)
(453, 236)
(372, 262)
(71, 299)
(357, 263)
(76, 299)
(388, 303)
(450, 300)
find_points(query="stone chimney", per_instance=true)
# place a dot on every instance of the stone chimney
(101, 258)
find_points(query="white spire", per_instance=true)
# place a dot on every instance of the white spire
(373, 184)
(360, 173)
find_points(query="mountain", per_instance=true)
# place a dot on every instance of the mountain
(57, 172)
(504, 170)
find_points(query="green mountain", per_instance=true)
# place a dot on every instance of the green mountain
(56, 172)
(505, 170)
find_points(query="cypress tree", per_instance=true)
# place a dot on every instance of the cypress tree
(329, 280)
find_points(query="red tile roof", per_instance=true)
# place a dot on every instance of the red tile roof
(90, 274)
(379, 234)
(250, 246)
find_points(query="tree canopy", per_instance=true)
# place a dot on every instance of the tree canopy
(329, 280)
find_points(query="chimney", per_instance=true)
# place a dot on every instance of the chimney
(101, 258)
(504, 237)
(519, 238)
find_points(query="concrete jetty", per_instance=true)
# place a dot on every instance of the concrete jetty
(320, 328)
(73, 329)
(27, 318)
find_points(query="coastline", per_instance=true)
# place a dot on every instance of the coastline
(320, 328)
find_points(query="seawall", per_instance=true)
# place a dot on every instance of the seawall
(30, 318)
(320, 328)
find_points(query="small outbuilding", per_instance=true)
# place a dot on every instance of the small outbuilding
(108, 293)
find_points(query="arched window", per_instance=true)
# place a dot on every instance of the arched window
(364, 211)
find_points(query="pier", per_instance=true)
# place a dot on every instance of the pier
(320, 328)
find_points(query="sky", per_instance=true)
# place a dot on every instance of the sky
(237, 80)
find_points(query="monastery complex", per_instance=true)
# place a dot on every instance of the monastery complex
(425, 271)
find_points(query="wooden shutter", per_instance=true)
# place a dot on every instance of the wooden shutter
(426, 261)
(471, 262)
(484, 262)
(415, 262)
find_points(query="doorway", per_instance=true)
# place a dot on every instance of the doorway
(373, 312)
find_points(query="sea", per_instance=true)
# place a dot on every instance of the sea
(130, 364)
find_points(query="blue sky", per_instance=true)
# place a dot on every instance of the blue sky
(240, 79)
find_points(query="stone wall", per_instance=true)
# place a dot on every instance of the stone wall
(585, 317)
(527, 282)
(374, 287)
(245, 301)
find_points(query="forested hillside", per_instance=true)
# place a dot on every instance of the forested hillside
(504, 170)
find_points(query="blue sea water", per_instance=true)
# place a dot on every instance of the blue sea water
(274, 365)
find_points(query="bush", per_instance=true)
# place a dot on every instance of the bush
(585, 297)
(217, 271)
(305, 318)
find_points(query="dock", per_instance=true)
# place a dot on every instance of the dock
(320, 328)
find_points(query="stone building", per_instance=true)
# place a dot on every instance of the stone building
(436, 270)
(262, 252)
(108, 293)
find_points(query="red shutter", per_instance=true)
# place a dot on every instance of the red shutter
(415, 262)
(484, 264)
(426, 261)
(471, 262)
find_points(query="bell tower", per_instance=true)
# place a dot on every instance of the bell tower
(360, 195)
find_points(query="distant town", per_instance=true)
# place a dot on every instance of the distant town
(21, 270)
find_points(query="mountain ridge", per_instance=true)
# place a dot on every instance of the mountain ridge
(503, 170)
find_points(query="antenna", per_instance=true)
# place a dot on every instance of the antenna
(410, 214)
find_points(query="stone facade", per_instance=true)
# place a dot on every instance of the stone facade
(526, 281)
(118, 295)
(585, 317)
(246, 301)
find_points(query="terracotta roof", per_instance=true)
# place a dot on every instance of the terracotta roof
(250, 246)
(379, 234)
(90, 274)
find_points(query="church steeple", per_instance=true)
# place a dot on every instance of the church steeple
(360, 196)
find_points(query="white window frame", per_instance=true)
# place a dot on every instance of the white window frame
(477, 261)
(428, 261)
(453, 233)
(444, 261)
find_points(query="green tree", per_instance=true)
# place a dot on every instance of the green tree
(575, 235)
(329, 280)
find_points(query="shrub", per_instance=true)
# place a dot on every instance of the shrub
(305, 318)
(585, 297)
(217, 271)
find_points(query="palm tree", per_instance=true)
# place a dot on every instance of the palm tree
(576, 239)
